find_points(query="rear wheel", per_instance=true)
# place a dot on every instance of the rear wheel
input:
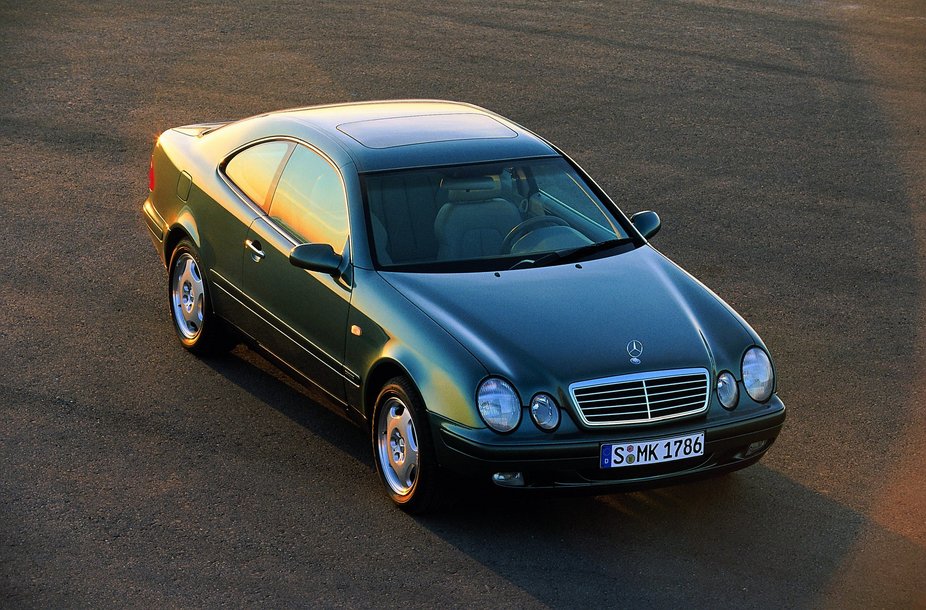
(402, 448)
(190, 307)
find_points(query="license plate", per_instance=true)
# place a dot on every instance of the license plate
(641, 453)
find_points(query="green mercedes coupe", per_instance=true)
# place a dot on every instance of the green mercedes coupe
(461, 289)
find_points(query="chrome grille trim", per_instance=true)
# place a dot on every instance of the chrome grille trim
(615, 401)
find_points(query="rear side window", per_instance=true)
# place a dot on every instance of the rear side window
(309, 201)
(253, 169)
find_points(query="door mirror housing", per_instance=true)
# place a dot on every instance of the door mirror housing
(316, 257)
(647, 223)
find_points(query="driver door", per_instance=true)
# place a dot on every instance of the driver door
(304, 313)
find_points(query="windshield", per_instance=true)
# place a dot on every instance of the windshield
(514, 214)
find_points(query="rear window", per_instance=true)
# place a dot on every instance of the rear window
(253, 169)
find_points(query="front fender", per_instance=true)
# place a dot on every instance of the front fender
(403, 340)
(447, 385)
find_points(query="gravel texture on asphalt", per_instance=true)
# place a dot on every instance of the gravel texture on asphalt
(782, 143)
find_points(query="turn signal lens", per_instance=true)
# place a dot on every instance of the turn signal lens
(151, 174)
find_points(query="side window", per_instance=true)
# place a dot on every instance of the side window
(310, 202)
(253, 169)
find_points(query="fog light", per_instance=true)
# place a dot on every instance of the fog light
(727, 391)
(755, 447)
(508, 479)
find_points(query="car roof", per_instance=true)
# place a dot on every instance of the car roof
(414, 133)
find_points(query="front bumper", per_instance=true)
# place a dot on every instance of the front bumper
(572, 464)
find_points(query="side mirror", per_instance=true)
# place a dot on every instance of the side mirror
(647, 223)
(315, 257)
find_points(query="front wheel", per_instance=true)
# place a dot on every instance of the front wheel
(402, 448)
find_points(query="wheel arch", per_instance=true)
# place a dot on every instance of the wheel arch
(184, 226)
(381, 372)
(445, 386)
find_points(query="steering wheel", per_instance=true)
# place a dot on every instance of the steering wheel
(531, 224)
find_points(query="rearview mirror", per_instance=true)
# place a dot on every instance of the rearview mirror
(647, 223)
(315, 257)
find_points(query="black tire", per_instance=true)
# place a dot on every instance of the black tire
(399, 403)
(189, 303)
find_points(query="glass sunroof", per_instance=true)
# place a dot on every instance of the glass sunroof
(422, 129)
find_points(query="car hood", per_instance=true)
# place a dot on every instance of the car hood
(569, 323)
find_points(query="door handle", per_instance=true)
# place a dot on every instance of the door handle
(254, 246)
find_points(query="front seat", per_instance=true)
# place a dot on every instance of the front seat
(475, 220)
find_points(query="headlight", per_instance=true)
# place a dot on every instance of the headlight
(757, 375)
(544, 412)
(727, 390)
(499, 404)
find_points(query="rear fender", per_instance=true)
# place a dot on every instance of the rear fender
(184, 226)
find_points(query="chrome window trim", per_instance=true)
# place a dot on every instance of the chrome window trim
(643, 376)
(220, 170)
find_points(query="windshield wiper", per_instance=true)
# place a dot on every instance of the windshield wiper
(565, 256)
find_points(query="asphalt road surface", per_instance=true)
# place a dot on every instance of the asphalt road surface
(784, 145)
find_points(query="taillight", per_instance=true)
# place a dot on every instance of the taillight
(151, 174)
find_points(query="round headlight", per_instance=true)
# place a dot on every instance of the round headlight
(544, 412)
(757, 375)
(499, 404)
(727, 390)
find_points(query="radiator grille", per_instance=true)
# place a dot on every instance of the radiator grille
(642, 397)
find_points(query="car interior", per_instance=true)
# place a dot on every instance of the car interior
(454, 214)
